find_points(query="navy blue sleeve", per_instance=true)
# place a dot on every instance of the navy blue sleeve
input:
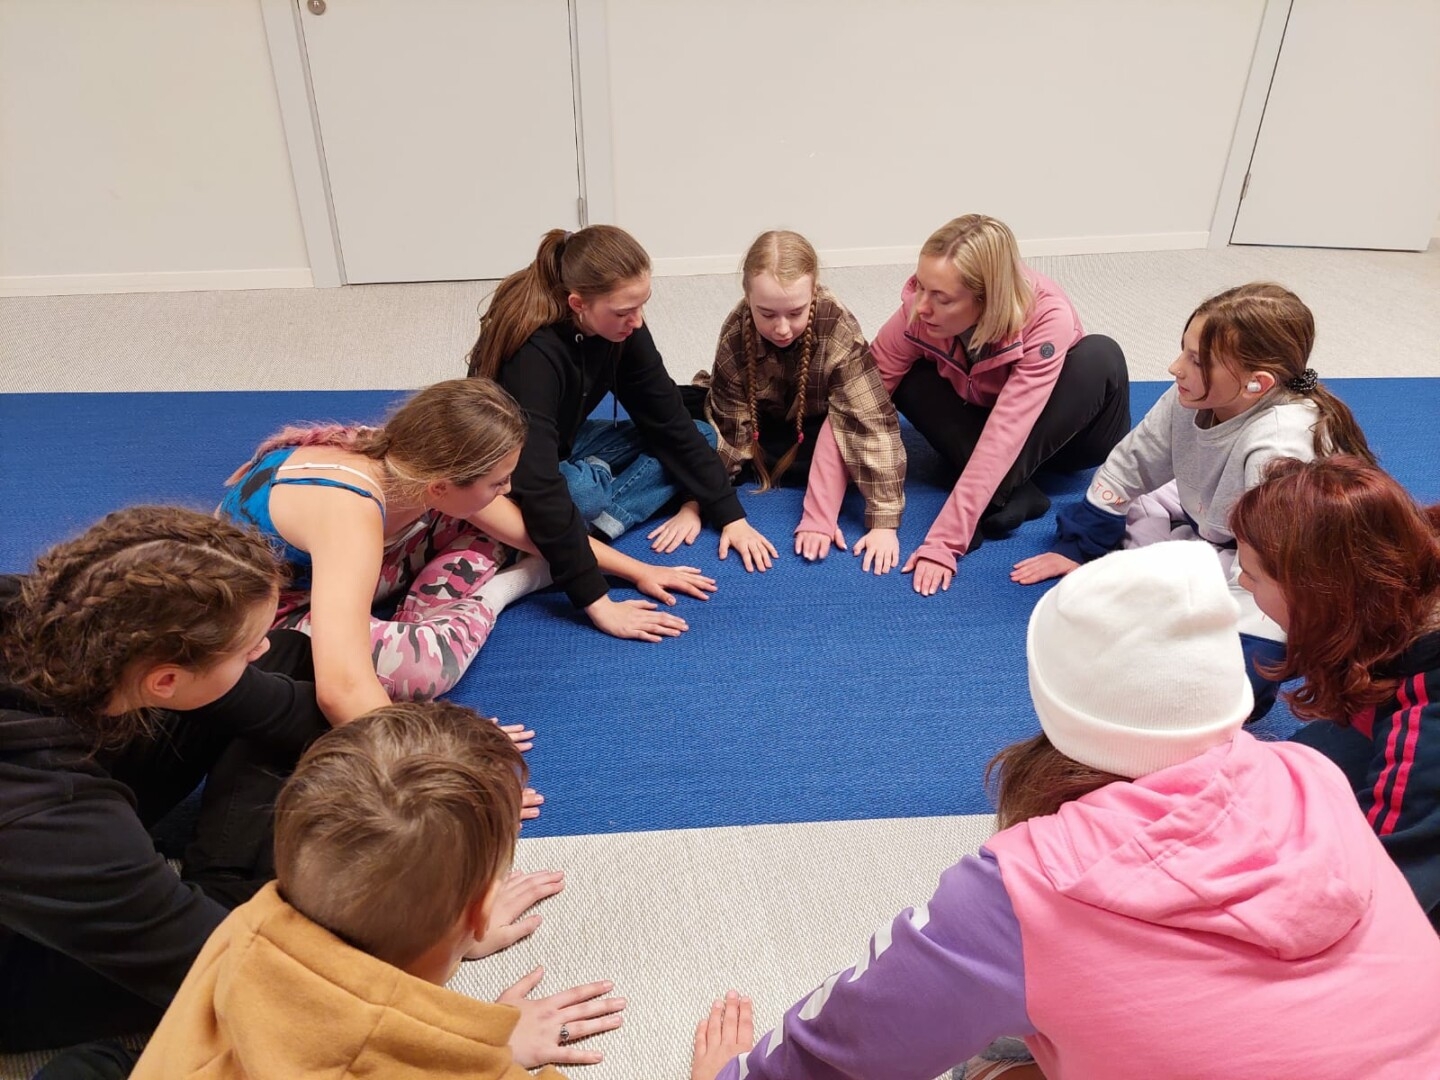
(1084, 531)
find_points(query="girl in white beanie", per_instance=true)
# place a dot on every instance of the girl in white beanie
(1162, 882)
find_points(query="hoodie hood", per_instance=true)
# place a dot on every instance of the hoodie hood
(1244, 841)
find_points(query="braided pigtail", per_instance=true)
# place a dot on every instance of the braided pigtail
(752, 362)
(802, 383)
(145, 586)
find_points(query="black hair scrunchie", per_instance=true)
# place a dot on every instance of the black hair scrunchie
(1303, 383)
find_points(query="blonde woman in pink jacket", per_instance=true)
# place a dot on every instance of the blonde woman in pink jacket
(989, 361)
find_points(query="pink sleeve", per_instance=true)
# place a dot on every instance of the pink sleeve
(825, 490)
(1020, 403)
(893, 352)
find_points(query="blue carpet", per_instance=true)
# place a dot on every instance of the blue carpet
(809, 693)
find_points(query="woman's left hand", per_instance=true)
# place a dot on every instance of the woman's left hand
(683, 528)
(930, 576)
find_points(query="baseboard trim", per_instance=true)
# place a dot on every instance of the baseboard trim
(164, 281)
(683, 266)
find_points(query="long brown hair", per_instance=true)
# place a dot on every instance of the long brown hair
(1358, 564)
(788, 257)
(145, 586)
(1033, 779)
(987, 256)
(456, 430)
(589, 263)
(393, 824)
(1263, 326)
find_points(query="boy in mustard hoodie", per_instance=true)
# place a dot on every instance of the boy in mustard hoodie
(391, 840)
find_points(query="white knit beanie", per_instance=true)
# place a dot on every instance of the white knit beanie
(1135, 661)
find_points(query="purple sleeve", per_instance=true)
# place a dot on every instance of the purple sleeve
(934, 988)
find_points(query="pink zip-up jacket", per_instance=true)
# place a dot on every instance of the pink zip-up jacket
(1013, 378)
(1230, 916)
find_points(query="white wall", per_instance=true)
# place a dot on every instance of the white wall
(141, 148)
(1101, 125)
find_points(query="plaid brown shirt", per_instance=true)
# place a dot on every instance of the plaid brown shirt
(843, 382)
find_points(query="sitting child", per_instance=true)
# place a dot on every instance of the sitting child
(392, 839)
(1168, 896)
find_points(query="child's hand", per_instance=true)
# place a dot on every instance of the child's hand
(637, 620)
(530, 803)
(683, 528)
(754, 550)
(812, 546)
(520, 735)
(517, 894)
(1041, 568)
(728, 1030)
(549, 1027)
(658, 581)
(930, 576)
(882, 550)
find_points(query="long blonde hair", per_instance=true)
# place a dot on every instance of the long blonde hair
(456, 430)
(987, 257)
(589, 263)
(787, 256)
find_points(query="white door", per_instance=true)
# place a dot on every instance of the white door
(1349, 147)
(448, 129)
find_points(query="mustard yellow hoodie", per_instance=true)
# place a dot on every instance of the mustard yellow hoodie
(273, 996)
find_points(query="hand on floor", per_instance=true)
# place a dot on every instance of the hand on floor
(638, 620)
(1039, 568)
(658, 582)
(683, 528)
(549, 1027)
(882, 550)
(728, 1030)
(517, 894)
(813, 546)
(520, 735)
(530, 803)
(930, 576)
(754, 550)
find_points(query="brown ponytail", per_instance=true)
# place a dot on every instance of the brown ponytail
(148, 585)
(589, 263)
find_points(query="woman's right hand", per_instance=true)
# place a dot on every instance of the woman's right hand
(639, 620)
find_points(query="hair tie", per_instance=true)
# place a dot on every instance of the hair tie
(1303, 383)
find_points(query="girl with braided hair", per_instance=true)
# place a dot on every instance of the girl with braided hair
(1243, 397)
(135, 661)
(560, 335)
(794, 384)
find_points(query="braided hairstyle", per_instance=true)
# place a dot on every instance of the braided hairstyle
(147, 585)
(787, 256)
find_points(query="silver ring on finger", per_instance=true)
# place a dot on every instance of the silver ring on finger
(564, 1034)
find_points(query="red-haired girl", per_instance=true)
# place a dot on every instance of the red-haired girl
(1339, 554)
(794, 385)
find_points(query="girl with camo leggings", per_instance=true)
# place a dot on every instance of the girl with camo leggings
(411, 511)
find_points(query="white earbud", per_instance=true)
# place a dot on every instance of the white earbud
(1253, 386)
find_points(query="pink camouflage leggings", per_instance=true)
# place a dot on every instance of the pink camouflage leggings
(421, 651)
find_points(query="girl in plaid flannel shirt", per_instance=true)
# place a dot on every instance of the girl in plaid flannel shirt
(794, 384)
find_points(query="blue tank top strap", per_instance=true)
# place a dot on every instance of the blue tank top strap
(247, 502)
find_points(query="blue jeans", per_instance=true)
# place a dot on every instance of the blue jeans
(614, 483)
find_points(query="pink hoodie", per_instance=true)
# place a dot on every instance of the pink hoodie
(1230, 916)
(1013, 378)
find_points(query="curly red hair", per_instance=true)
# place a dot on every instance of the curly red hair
(1358, 563)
